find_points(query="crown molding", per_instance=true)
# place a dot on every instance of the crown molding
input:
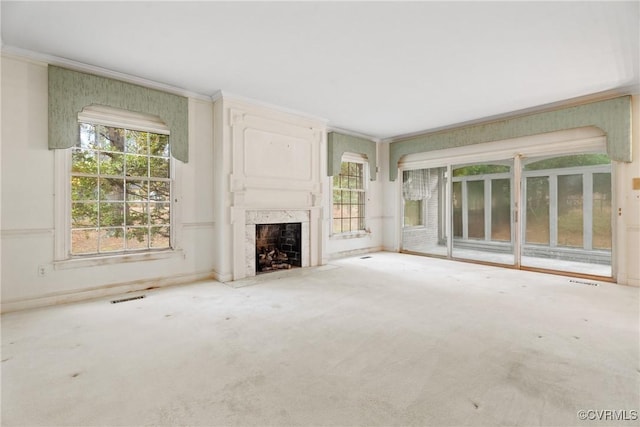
(223, 94)
(633, 90)
(46, 59)
(353, 133)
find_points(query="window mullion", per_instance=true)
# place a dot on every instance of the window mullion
(118, 231)
(587, 209)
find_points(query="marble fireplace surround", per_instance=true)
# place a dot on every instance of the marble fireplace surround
(254, 217)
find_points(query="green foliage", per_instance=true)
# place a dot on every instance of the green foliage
(348, 198)
(569, 161)
(119, 186)
(481, 170)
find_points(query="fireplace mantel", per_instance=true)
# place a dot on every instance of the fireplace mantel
(274, 161)
(274, 216)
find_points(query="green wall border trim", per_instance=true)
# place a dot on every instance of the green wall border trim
(70, 91)
(612, 116)
(338, 144)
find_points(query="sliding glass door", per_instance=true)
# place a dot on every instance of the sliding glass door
(551, 213)
(567, 214)
(482, 206)
(424, 211)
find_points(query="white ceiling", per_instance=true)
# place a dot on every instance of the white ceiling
(379, 68)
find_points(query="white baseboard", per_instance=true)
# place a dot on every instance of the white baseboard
(222, 277)
(115, 289)
(354, 252)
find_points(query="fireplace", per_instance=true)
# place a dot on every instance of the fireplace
(259, 232)
(278, 246)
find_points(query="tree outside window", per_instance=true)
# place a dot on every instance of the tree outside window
(349, 198)
(120, 191)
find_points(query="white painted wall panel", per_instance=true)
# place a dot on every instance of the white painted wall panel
(27, 164)
(272, 155)
(627, 238)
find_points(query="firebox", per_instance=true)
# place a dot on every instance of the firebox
(278, 246)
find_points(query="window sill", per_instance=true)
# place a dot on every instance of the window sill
(96, 261)
(351, 235)
(413, 227)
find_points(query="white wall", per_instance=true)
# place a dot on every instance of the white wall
(390, 202)
(29, 275)
(627, 238)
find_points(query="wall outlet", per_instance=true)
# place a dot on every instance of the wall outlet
(42, 270)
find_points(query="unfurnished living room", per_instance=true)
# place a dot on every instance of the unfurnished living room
(320, 213)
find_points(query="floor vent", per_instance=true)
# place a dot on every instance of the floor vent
(365, 257)
(583, 283)
(116, 301)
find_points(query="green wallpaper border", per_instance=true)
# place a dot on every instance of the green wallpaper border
(612, 116)
(70, 91)
(338, 144)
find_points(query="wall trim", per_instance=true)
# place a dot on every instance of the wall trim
(204, 224)
(223, 278)
(25, 232)
(44, 59)
(103, 291)
(354, 252)
(223, 94)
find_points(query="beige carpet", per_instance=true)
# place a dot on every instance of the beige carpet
(388, 340)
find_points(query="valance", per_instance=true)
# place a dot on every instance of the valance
(71, 91)
(612, 116)
(338, 144)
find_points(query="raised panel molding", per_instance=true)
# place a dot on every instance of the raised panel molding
(236, 183)
(26, 232)
(277, 156)
(236, 117)
(269, 154)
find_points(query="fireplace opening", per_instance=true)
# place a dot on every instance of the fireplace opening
(278, 246)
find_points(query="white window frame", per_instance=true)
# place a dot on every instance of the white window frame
(361, 159)
(62, 193)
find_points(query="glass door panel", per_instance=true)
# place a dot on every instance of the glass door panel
(602, 211)
(567, 221)
(537, 211)
(475, 209)
(424, 211)
(457, 209)
(570, 211)
(501, 210)
(481, 212)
